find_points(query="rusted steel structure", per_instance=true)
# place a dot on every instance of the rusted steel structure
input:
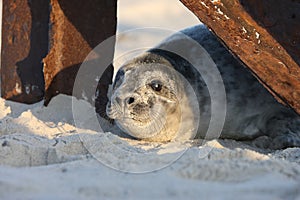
(77, 28)
(264, 35)
(24, 45)
(40, 61)
(44, 43)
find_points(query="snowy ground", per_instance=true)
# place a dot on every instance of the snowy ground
(46, 154)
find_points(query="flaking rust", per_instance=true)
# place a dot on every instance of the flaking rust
(24, 45)
(264, 35)
(77, 28)
(42, 52)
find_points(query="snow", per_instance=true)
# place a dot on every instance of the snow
(46, 154)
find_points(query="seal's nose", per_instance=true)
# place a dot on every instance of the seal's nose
(130, 100)
(125, 101)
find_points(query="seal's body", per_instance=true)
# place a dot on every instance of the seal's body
(160, 95)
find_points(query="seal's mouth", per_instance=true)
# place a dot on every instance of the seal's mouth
(141, 113)
(142, 122)
(145, 118)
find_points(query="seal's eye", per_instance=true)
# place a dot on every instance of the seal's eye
(156, 85)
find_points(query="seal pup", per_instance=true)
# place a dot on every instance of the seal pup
(145, 97)
(152, 101)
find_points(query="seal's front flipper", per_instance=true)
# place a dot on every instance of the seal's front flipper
(286, 140)
(283, 131)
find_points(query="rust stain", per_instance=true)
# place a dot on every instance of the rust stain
(24, 44)
(263, 35)
(77, 28)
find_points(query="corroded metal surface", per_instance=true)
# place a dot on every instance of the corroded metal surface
(264, 35)
(78, 27)
(75, 29)
(24, 45)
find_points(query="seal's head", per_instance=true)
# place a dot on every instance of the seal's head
(146, 98)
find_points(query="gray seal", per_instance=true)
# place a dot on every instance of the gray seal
(152, 101)
(160, 96)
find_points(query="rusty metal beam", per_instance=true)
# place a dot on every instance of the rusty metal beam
(264, 35)
(24, 45)
(77, 28)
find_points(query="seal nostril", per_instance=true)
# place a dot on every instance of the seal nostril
(130, 100)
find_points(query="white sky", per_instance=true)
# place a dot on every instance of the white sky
(159, 18)
(170, 14)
